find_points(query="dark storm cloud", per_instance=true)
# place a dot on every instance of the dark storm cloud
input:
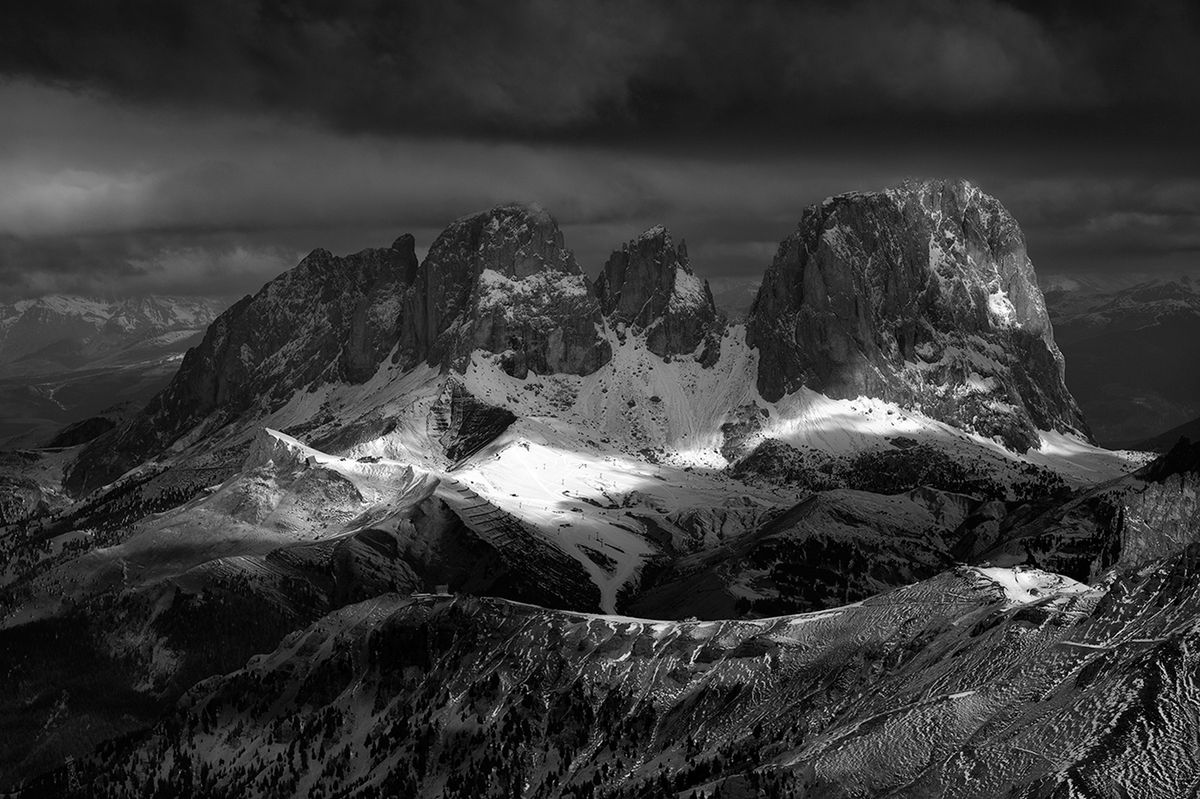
(121, 199)
(613, 67)
(170, 146)
(111, 198)
(119, 265)
(1082, 225)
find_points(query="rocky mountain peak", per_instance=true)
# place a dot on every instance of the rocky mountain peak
(921, 294)
(406, 247)
(503, 281)
(638, 279)
(329, 319)
(518, 241)
(649, 286)
(976, 243)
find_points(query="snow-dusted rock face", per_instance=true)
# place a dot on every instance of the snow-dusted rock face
(649, 286)
(329, 319)
(503, 281)
(922, 294)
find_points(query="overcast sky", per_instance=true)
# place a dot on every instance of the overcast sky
(203, 146)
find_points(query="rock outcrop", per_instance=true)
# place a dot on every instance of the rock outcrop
(1181, 459)
(463, 424)
(329, 319)
(648, 286)
(502, 281)
(923, 295)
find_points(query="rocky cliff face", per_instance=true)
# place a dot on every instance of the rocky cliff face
(648, 285)
(330, 318)
(924, 295)
(502, 281)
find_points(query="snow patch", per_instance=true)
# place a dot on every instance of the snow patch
(688, 291)
(1023, 585)
(1001, 309)
(496, 289)
(980, 384)
(1080, 462)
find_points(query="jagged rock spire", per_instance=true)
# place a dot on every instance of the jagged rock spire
(503, 281)
(649, 285)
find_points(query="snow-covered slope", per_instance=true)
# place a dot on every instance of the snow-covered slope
(285, 493)
(617, 471)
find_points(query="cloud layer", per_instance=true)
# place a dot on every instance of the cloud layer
(174, 145)
(607, 67)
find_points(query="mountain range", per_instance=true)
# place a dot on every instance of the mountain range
(64, 359)
(478, 525)
(1130, 349)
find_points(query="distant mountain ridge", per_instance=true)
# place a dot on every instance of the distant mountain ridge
(1133, 354)
(65, 358)
(1164, 441)
(1082, 310)
(96, 326)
